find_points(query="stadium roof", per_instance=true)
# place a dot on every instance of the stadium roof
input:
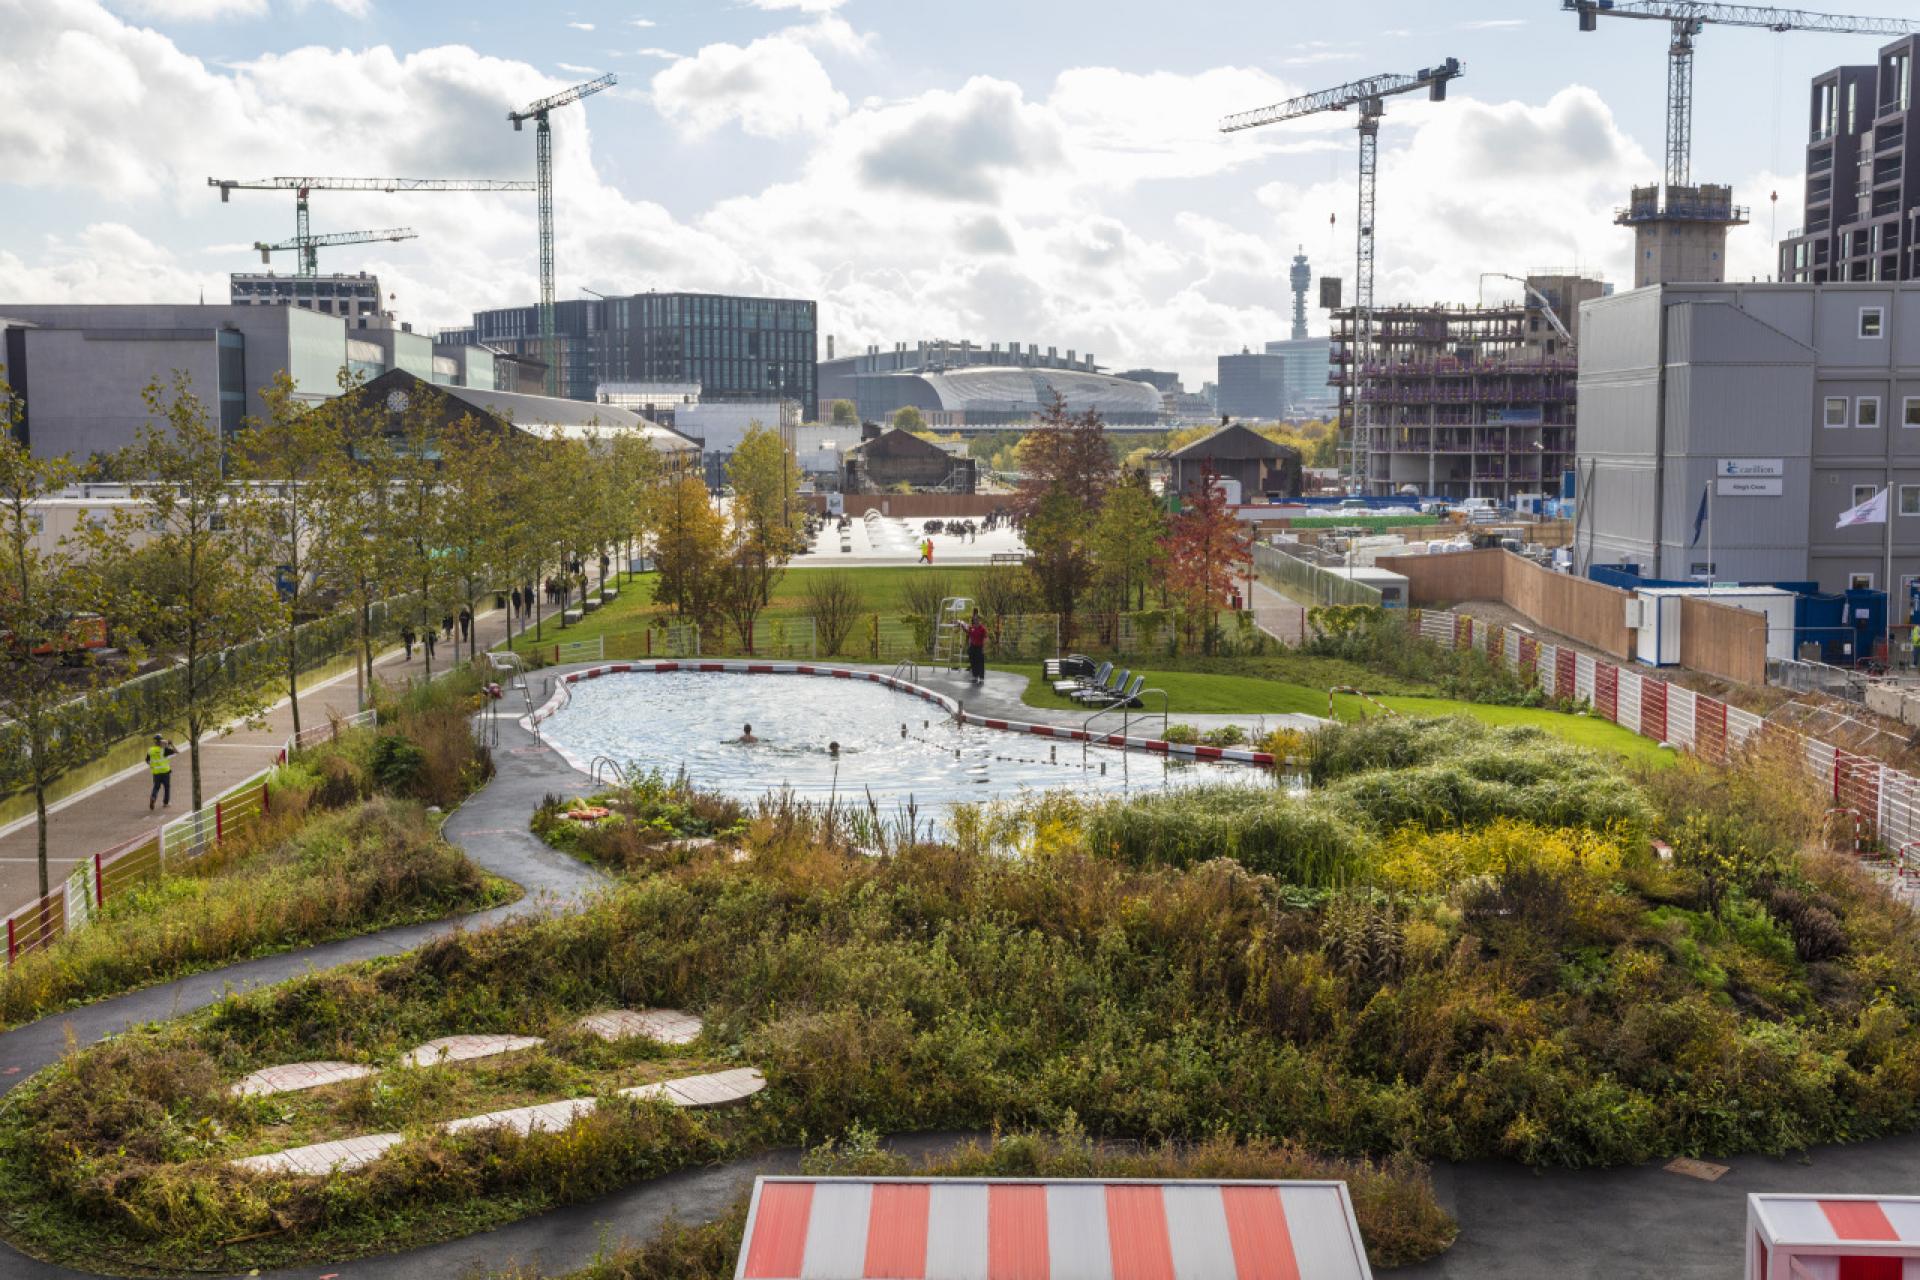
(986, 387)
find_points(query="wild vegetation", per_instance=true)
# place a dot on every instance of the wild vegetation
(1461, 945)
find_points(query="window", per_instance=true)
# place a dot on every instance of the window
(1862, 492)
(1910, 499)
(1866, 411)
(1836, 411)
(1910, 414)
(1871, 321)
(1859, 582)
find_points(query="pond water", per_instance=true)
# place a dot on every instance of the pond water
(693, 720)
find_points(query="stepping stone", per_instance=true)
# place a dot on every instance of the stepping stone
(667, 1026)
(295, 1076)
(548, 1117)
(715, 1090)
(323, 1158)
(463, 1048)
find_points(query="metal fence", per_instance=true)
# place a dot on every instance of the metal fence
(1023, 637)
(1308, 583)
(1803, 676)
(96, 880)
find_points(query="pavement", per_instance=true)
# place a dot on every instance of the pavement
(114, 811)
(999, 698)
(891, 540)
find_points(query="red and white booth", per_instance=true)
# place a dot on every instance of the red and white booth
(1799, 1237)
(1049, 1229)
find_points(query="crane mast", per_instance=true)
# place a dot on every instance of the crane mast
(1369, 96)
(543, 178)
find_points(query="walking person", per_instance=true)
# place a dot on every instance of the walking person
(162, 769)
(516, 603)
(466, 625)
(446, 627)
(977, 649)
(429, 639)
(406, 638)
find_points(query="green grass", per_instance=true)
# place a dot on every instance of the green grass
(1299, 683)
(884, 589)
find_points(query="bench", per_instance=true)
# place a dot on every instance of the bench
(589, 604)
(570, 617)
(1007, 557)
(609, 593)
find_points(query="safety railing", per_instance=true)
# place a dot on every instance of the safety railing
(568, 651)
(607, 767)
(1126, 708)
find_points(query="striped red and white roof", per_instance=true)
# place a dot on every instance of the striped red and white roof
(1801, 1222)
(1049, 1229)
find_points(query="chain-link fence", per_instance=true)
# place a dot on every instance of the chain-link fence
(1308, 583)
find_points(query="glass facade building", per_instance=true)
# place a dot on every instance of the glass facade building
(735, 348)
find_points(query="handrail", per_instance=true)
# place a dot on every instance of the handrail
(1125, 705)
(612, 766)
(907, 669)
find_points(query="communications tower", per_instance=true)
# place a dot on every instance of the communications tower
(1300, 277)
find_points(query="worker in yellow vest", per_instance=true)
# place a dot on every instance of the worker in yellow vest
(162, 770)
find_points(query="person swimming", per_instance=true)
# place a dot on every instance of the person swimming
(833, 749)
(746, 737)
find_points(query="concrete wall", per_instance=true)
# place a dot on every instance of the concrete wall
(84, 396)
(1723, 641)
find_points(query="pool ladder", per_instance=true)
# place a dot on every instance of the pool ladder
(609, 766)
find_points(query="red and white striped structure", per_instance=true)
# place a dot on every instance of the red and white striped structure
(1798, 1237)
(1049, 1229)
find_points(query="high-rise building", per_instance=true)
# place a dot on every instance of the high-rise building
(1303, 376)
(736, 348)
(1683, 239)
(356, 297)
(1253, 385)
(1863, 175)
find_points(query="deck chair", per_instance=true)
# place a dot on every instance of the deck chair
(1104, 692)
(1068, 687)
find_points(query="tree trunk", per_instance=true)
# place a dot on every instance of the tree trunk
(293, 673)
(40, 821)
(193, 748)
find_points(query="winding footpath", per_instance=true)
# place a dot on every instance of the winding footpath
(1582, 1224)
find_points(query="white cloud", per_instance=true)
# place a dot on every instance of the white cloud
(576, 69)
(1493, 24)
(105, 262)
(772, 88)
(195, 10)
(641, 22)
(656, 53)
(804, 6)
(581, 26)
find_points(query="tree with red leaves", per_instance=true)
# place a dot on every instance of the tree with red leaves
(1065, 451)
(1208, 552)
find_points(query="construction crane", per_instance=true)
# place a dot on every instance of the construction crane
(1369, 96)
(306, 247)
(303, 187)
(1526, 285)
(1687, 19)
(543, 169)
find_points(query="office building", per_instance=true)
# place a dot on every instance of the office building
(736, 348)
(82, 370)
(1464, 402)
(354, 297)
(1304, 382)
(840, 375)
(1863, 175)
(1794, 402)
(1252, 385)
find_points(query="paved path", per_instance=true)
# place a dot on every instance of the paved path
(115, 810)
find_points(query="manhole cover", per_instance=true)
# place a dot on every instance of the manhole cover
(1700, 1169)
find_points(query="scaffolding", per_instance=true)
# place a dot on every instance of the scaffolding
(1461, 402)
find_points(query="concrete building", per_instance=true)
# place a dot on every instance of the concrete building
(1792, 401)
(1252, 385)
(736, 348)
(1465, 402)
(1863, 175)
(354, 297)
(82, 369)
(839, 375)
(1683, 239)
(996, 399)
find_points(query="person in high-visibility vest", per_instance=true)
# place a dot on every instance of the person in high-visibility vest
(162, 770)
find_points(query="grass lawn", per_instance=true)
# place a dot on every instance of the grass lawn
(1299, 683)
(883, 586)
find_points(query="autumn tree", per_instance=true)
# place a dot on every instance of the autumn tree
(1067, 467)
(690, 549)
(413, 515)
(475, 509)
(209, 589)
(765, 511)
(1126, 544)
(47, 677)
(908, 418)
(844, 413)
(281, 504)
(1208, 551)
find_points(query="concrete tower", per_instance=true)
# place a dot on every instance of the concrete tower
(1299, 278)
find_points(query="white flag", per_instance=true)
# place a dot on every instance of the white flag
(1872, 511)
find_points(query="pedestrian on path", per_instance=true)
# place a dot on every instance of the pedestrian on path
(407, 638)
(429, 644)
(162, 770)
(466, 625)
(446, 626)
(977, 649)
(516, 602)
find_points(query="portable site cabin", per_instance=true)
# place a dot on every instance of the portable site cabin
(1657, 610)
(1800, 1237)
(1391, 586)
(1048, 1229)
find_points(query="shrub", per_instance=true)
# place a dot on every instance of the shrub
(1227, 735)
(1258, 826)
(1432, 862)
(832, 599)
(396, 763)
(1182, 734)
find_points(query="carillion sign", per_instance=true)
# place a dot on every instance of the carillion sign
(1751, 477)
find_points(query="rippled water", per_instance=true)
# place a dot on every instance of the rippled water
(692, 720)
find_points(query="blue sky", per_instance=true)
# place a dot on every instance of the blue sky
(1046, 172)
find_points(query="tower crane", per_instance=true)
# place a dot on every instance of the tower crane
(1687, 19)
(1369, 95)
(305, 246)
(543, 169)
(303, 187)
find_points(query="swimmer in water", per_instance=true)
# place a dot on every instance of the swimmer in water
(746, 737)
(833, 749)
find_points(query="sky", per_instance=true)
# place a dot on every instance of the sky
(996, 170)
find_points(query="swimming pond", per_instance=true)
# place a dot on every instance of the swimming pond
(893, 745)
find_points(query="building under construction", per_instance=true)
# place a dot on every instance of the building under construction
(1463, 402)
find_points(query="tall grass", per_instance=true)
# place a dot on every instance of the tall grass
(1262, 828)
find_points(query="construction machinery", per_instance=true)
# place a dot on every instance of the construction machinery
(543, 169)
(1369, 95)
(1686, 19)
(302, 188)
(1546, 307)
(307, 247)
